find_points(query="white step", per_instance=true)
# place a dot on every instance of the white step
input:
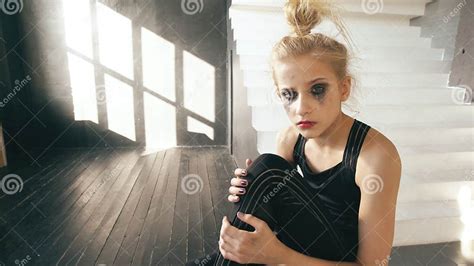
(422, 140)
(366, 65)
(435, 209)
(373, 80)
(386, 53)
(383, 96)
(272, 17)
(396, 53)
(409, 141)
(428, 231)
(432, 191)
(245, 30)
(264, 47)
(424, 165)
(413, 8)
(430, 222)
(403, 66)
(417, 116)
(403, 79)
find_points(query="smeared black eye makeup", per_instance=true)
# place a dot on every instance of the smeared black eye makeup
(287, 95)
(318, 90)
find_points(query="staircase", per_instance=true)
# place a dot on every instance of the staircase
(407, 98)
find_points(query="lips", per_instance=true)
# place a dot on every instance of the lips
(306, 122)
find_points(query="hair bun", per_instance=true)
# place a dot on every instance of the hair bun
(304, 15)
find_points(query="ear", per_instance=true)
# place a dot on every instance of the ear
(346, 84)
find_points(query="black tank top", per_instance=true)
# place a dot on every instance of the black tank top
(335, 187)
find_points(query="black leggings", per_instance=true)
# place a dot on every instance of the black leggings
(280, 196)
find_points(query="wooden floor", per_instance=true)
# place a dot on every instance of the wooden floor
(117, 206)
(113, 206)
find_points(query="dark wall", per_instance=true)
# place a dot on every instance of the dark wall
(440, 22)
(463, 63)
(41, 114)
(449, 24)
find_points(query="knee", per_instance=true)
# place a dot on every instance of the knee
(269, 162)
(270, 172)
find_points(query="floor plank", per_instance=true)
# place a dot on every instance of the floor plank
(123, 207)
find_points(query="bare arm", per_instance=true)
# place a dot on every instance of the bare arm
(378, 179)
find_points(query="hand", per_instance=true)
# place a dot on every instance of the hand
(260, 246)
(238, 183)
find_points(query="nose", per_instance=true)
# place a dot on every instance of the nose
(304, 105)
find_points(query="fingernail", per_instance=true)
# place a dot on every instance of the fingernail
(244, 172)
(243, 182)
(240, 214)
(242, 190)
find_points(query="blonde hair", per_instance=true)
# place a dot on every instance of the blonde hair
(302, 16)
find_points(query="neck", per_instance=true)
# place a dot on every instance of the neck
(334, 134)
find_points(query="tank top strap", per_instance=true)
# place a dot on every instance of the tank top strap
(297, 152)
(354, 143)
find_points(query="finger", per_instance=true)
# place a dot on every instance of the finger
(240, 172)
(227, 228)
(236, 190)
(252, 220)
(238, 182)
(226, 251)
(248, 162)
(227, 242)
(233, 198)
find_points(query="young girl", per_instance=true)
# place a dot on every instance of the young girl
(342, 209)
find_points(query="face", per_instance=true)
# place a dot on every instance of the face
(310, 90)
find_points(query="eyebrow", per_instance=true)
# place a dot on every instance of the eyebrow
(308, 83)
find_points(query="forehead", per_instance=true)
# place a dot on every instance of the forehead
(298, 71)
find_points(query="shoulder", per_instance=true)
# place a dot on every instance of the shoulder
(379, 156)
(285, 142)
(378, 174)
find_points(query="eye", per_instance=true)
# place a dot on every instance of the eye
(287, 95)
(318, 89)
